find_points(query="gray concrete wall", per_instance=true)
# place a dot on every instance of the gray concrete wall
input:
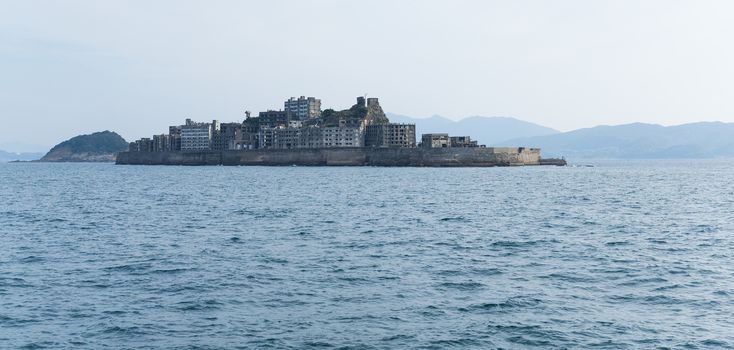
(431, 157)
(170, 158)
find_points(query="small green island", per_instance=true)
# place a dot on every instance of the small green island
(100, 146)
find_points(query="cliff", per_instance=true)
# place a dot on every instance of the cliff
(97, 147)
(375, 114)
(368, 111)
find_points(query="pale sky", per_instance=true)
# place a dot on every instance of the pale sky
(135, 67)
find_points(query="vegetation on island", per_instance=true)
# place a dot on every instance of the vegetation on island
(352, 116)
(96, 147)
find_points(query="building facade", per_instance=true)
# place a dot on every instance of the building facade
(145, 144)
(226, 137)
(463, 141)
(174, 132)
(286, 138)
(274, 119)
(161, 143)
(196, 136)
(311, 137)
(435, 140)
(304, 107)
(390, 135)
(342, 136)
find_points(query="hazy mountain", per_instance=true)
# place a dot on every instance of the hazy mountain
(97, 147)
(487, 130)
(24, 156)
(638, 141)
(22, 147)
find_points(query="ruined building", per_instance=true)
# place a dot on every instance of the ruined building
(301, 125)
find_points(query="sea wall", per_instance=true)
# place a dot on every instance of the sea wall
(170, 158)
(429, 157)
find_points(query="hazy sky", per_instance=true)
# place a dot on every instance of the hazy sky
(135, 67)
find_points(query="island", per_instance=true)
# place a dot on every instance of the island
(96, 147)
(302, 134)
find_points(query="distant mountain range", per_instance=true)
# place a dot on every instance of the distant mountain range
(23, 156)
(628, 141)
(486, 130)
(638, 141)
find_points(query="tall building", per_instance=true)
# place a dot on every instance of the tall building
(196, 136)
(304, 107)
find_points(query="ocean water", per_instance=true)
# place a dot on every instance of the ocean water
(623, 255)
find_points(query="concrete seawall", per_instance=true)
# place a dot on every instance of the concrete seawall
(416, 157)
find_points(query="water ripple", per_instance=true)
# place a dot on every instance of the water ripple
(624, 255)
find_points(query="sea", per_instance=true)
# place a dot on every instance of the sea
(596, 255)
